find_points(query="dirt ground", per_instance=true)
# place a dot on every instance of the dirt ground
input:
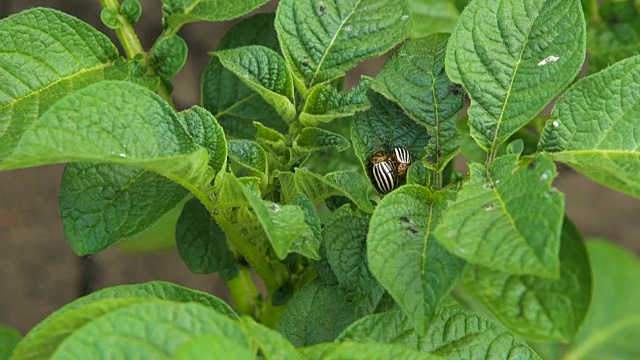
(39, 273)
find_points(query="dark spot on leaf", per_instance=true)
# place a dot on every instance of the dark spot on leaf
(305, 63)
(532, 165)
(457, 89)
(413, 230)
(322, 8)
(405, 219)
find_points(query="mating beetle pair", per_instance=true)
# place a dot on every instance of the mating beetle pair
(386, 171)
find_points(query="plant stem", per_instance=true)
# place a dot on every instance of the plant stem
(243, 292)
(271, 314)
(125, 33)
(131, 44)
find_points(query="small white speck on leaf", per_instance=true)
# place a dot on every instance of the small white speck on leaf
(489, 207)
(348, 28)
(488, 186)
(497, 181)
(544, 176)
(404, 17)
(460, 250)
(122, 155)
(555, 123)
(549, 59)
(246, 76)
(275, 207)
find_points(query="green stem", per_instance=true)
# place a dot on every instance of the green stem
(131, 44)
(243, 292)
(258, 261)
(491, 155)
(439, 180)
(271, 314)
(125, 33)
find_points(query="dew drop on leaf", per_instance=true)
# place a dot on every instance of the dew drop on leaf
(348, 28)
(555, 123)
(404, 17)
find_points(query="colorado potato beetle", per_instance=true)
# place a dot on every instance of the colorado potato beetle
(401, 158)
(384, 174)
(379, 157)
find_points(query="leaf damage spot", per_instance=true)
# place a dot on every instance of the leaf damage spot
(405, 219)
(548, 59)
(348, 28)
(489, 207)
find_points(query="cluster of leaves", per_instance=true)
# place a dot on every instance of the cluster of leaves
(268, 180)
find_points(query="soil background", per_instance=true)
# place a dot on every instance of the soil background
(38, 271)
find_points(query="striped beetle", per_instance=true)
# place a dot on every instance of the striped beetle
(384, 174)
(379, 157)
(401, 158)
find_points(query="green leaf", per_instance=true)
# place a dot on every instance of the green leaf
(317, 313)
(132, 10)
(513, 59)
(355, 351)
(535, 308)
(432, 16)
(201, 243)
(179, 12)
(321, 40)
(345, 236)
(613, 33)
(226, 96)
(282, 224)
(206, 132)
(250, 155)
(45, 337)
(8, 339)
(455, 334)
(44, 342)
(207, 347)
(109, 18)
(325, 103)
(468, 146)
(265, 72)
(344, 183)
(269, 138)
(32, 79)
(405, 256)
(594, 127)
(418, 174)
(507, 218)
(309, 243)
(384, 126)
(101, 204)
(611, 328)
(171, 326)
(415, 79)
(272, 344)
(160, 236)
(153, 290)
(168, 56)
(115, 122)
(315, 139)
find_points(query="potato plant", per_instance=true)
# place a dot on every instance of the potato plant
(277, 174)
